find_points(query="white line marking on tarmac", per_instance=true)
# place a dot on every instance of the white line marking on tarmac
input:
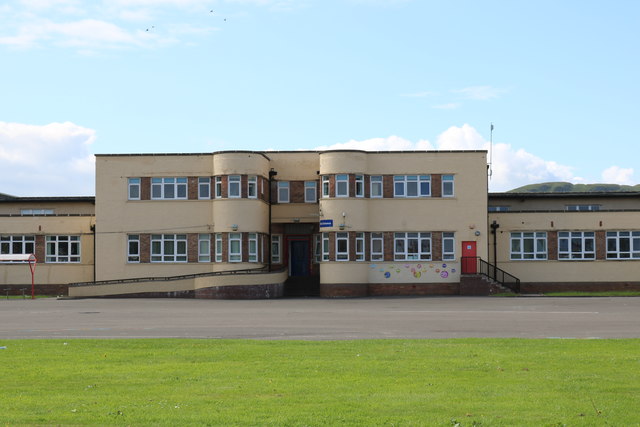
(492, 312)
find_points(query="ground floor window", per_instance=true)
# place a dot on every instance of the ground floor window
(576, 245)
(235, 247)
(17, 245)
(133, 248)
(63, 249)
(412, 246)
(623, 244)
(168, 248)
(253, 247)
(204, 248)
(276, 245)
(342, 246)
(528, 245)
(448, 246)
(377, 247)
(360, 247)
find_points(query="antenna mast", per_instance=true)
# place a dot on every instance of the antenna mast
(491, 151)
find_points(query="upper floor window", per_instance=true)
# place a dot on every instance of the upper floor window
(342, 185)
(376, 186)
(499, 208)
(325, 186)
(576, 245)
(252, 186)
(411, 185)
(528, 245)
(447, 186)
(412, 246)
(204, 188)
(310, 191)
(17, 245)
(582, 208)
(134, 188)
(37, 211)
(359, 185)
(168, 248)
(623, 244)
(63, 249)
(283, 191)
(168, 188)
(218, 186)
(234, 186)
(448, 246)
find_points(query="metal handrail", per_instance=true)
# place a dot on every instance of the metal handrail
(172, 278)
(476, 265)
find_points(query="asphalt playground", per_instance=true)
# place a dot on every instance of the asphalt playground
(322, 319)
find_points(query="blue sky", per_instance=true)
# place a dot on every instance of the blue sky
(557, 78)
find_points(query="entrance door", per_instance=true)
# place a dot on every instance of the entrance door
(469, 261)
(299, 258)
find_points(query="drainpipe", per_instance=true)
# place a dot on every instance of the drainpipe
(93, 230)
(272, 173)
(494, 230)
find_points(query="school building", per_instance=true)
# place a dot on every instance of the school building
(337, 223)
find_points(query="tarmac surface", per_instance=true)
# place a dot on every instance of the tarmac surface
(322, 319)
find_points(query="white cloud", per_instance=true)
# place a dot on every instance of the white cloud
(391, 143)
(618, 175)
(448, 106)
(479, 93)
(49, 160)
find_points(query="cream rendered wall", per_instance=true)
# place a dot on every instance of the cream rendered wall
(295, 165)
(559, 203)
(239, 163)
(60, 208)
(566, 270)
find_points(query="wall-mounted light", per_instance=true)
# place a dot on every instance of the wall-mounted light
(234, 227)
(477, 233)
(341, 226)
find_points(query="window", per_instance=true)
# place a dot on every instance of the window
(325, 186)
(275, 249)
(168, 188)
(377, 245)
(168, 248)
(412, 246)
(235, 247)
(498, 208)
(63, 249)
(134, 188)
(204, 188)
(528, 245)
(283, 191)
(325, 246)
(342, 246)
(359, 185)
(309, 191)
(252, 187)
(623, 244)
(447, 185)
(37, 211)
(342, 185)
(411, 185)
(17, 245)
(448, 246)
(359, 246)
(582, 208)
(218, 247)
(576, 245)
(204, 248)
(317, 248)
(376, 186)
(253, 247)
(218, 184)
(133, 248)
(234, 186)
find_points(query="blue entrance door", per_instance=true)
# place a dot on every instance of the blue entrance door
(299, 257)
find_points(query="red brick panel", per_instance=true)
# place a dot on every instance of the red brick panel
(225, 186)
(192, 247)
(601, 245)
(192, 188)
(387, 186)
(296, 191)
(41, 249)
(245, 247)
(352, 246)
(552, 245)
(145, 188)
(352, 185)
(244, 186)
(388, 245)
(332, 246)
(367, 186)
(145, 248)
(436, 246)
(332, 186)
(436, 185)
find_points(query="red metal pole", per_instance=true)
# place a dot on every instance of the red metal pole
(32, 267)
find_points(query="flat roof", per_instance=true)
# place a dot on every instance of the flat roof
(571, 195)
(50, 199)
(265, 153)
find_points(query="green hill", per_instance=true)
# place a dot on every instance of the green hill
(567, 187)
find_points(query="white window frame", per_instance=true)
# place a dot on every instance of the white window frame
(317, 248)
(17, 245)
(342, 180)
(448, 186)
(499, 208)
(218, 187)
(359, 185)
(326, 186)
(325, 246)
(252, 186)
(410, 246)
(169, 188)
(582, 208)
(623, 245)
(56, 244)
(360, 255)
(448, 246)
(573, 245)
(133, 248)
(235, 255)
(133, 185)
(218, 247)
(276, 248)
(204, 247)
(204, 188)
(342, 238)
(374, 254)
(403, 185)
(234, 186)
(252, 241)
(376, 186)
(33, 212)
(169, 248)
(310, 192)
(528, 246)
(283, 190)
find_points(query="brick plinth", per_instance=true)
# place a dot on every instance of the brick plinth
(50, 290)
(410, 289)
(275, 290)
(343, 290)
(538, 288)
(474, 285)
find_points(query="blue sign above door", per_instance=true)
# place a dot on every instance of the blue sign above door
(326, 223)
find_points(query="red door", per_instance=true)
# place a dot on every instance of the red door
(469, 261)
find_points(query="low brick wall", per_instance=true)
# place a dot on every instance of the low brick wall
(352, 290)
(51, 290)
(241, 292)
(539, 288)
(172, 294)
(343, 290)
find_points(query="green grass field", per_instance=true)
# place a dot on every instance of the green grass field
(463, 382)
